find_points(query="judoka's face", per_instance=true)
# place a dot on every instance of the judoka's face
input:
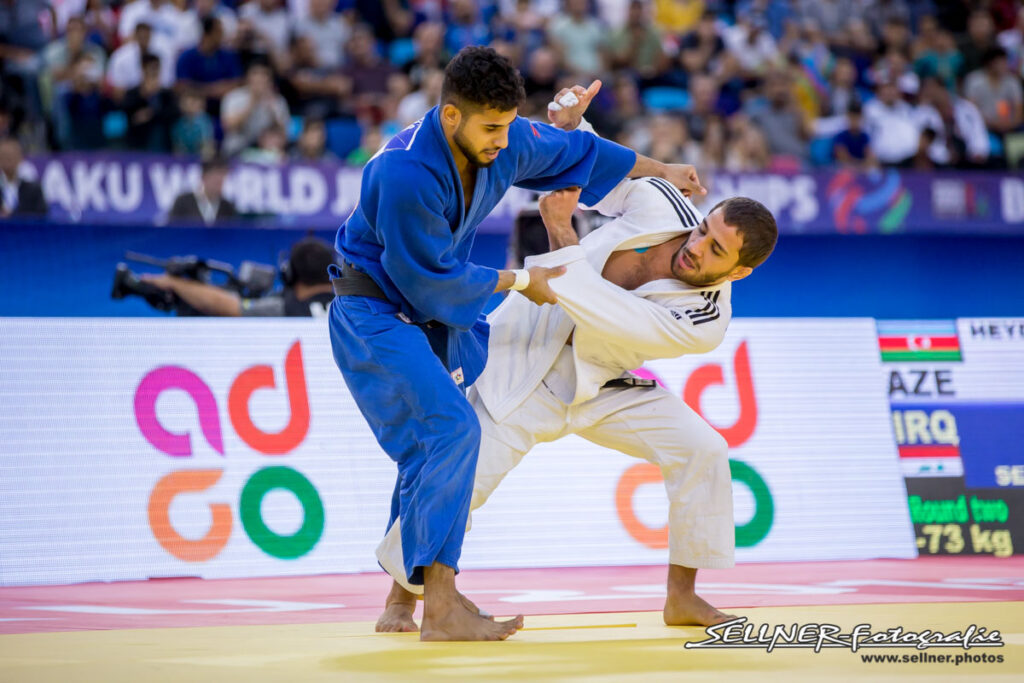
(710, 254)
(482, 133)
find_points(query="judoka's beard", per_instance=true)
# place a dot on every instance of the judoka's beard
(693, 277)
(474, 156)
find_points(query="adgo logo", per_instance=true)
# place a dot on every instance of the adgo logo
(179, 445)
(736, 434)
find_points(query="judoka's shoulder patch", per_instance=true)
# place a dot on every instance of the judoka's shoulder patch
(675, 314)
(708, 312)
(536, 133)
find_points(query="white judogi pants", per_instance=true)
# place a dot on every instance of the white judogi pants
(647, 423)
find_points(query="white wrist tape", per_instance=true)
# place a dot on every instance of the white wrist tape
(567, 100)
(522, 280)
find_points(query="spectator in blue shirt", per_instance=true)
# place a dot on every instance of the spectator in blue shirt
(852, 147)
(209, 68)
(84, 107)
(192, 134)
(465, 27)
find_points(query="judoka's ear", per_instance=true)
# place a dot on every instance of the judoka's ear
(451, 115)
(739, 272)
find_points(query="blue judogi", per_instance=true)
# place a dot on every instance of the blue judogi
(412, 234)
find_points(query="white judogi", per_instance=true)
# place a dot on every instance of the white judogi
(536, 388)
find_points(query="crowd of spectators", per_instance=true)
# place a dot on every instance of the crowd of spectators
(741, 85)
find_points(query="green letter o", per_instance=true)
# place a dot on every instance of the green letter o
(284, 547)
(754, 531)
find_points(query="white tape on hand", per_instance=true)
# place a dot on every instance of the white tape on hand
(522, 280)
(566, 101)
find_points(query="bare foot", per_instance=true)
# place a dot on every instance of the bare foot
(683, 609)
(471, 606)
(446, 615)
(399, 608)
(457, 622)
(397, 618)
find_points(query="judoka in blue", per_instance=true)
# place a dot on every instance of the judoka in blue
(412, 234)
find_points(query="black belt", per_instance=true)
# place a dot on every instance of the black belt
(629, 382)
(356, 283)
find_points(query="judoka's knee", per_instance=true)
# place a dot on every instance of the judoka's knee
(471, 432)
(462, 429)
(715, 445)
(704, 445)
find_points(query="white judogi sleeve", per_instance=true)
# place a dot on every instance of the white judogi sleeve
(602, 307)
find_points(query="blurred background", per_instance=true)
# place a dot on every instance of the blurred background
(886, 135)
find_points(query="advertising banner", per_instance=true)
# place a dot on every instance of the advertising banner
(883, 202)
(814, 471)
(135, 188)
(140, 188)
(231, 448)
(956, 390)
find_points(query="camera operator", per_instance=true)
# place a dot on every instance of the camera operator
(307, 292)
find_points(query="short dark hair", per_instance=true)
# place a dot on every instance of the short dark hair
(210, 24)
(259, 62)
(149, 58)
(309, 259)
(479, 76)
(754, 223)
(214, 164)
(992, 54)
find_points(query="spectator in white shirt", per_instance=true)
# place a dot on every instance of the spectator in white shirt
(328, 31)
(961, 138)
(124, 70)
(997, 92)
(270, 21)
(164, 16)
(579, 37)
(59, 57)
(413, 106)
(1012, 40)
(751, 44)
(193, 22)
(298, 9)
(892, 126)
(248, 111)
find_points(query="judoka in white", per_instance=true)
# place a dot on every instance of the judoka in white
(654, 282)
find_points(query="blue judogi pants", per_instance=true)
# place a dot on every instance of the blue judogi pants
(420, 417)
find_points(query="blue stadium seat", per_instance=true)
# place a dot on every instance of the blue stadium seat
(995, 145)
(401, 51)
(343, 136)
(821, 151)
(115, 125)
(666, 99)
(295, 127)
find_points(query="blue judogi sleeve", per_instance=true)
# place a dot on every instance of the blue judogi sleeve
(407, 211)
(551, 159)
